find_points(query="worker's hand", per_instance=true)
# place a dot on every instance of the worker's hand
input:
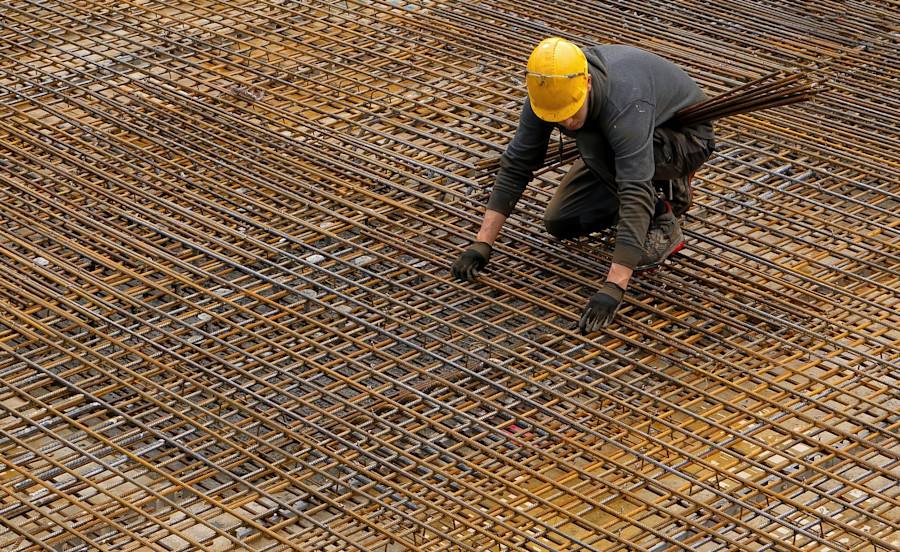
(601, 309)
(471, 261)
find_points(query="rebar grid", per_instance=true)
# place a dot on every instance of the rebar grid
(228, 323)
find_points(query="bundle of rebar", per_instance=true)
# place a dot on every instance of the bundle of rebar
(772, 90)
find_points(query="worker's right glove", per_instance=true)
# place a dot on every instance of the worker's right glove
(471, 261)
(601, 309)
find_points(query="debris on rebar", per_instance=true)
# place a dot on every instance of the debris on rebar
(247, 93)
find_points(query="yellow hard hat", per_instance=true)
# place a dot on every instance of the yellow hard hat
(557, 79)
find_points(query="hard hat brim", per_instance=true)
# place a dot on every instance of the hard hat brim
(559, 114)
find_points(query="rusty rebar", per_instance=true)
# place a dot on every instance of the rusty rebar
(226, 319)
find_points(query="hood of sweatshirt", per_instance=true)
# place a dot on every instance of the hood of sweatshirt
(599, 82)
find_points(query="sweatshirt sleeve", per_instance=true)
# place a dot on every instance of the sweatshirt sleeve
(524, 155)
(631, 138)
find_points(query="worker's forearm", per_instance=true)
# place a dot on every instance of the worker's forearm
(619, 274)
(490, 227)
(493, 222)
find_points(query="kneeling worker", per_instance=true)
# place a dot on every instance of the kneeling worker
(633, 170)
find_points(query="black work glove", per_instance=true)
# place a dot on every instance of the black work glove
(601, 309)
(471, 261)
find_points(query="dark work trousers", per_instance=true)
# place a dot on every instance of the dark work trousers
(587, 201)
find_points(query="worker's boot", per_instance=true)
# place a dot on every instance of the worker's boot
(679, 194)
(663, 239)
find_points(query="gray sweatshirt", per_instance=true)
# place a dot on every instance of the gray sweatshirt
(633, 92)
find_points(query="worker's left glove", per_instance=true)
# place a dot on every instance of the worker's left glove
(471, 261)
(601, 309)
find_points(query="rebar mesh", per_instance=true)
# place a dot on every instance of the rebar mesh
(228, 321)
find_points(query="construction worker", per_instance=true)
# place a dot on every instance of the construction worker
(633, 173)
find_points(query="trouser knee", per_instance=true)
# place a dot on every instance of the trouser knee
(563, 229)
